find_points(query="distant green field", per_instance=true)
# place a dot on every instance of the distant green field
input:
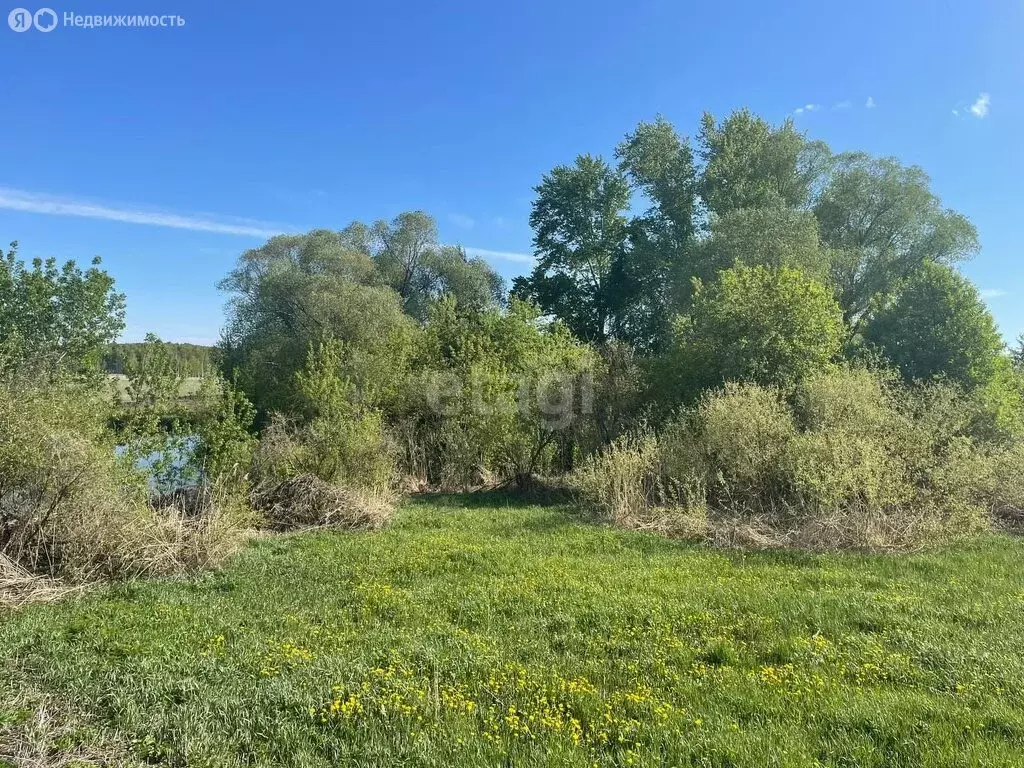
(119, 384)
(478, 632)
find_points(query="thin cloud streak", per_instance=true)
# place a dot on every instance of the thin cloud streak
(28, 202)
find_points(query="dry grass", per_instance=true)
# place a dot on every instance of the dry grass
(19, 587)
(44, 732)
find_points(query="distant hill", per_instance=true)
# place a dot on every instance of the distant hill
(193, 360)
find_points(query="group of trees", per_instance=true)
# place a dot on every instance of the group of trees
(752, 194)
(422, 342)
(758, 257)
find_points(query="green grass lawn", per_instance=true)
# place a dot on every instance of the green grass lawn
(475, 631)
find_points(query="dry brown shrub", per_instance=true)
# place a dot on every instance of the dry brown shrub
(306, 501)
(69, 509)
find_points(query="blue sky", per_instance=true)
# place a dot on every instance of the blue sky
(169, 151)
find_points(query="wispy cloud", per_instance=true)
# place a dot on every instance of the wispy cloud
(806, 108)
(980, 107)
(30, 202)
(500, 221)
(483, 253)
(993, 293)
(870, 103)
(461, 220)
(845, 104)
(53, 205)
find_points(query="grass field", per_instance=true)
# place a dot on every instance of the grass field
(475, 632)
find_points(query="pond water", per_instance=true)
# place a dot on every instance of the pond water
(167, 468)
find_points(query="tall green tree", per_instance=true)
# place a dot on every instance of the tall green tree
(938, 326)
(748, 163)
(659, 164)
(883, 222)
(580, 233)
(56, 317)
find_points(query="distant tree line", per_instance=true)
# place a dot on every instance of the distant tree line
(187, 360)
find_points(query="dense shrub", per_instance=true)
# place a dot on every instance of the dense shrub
(628, 484)
(333, 436)
(850, 459)
(495, 396)
(224, 443)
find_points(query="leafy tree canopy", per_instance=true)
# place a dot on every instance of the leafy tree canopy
(748, 163)
(659, 164)
(410, 260)
(580, 239)
(938, 326)
(56, 317)
(883, 222)
(295, 291)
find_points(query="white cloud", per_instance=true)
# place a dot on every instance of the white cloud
(483, 253)
(461, 220)
(870, 103)
(806, 108)
(845, 104)
(980, 107)
(956, 113)
(29, 202)
(993, 293)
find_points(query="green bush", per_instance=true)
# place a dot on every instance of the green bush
(225, 445)
(336, 438)
(495, 396)
(628, 484)
(772, 327)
